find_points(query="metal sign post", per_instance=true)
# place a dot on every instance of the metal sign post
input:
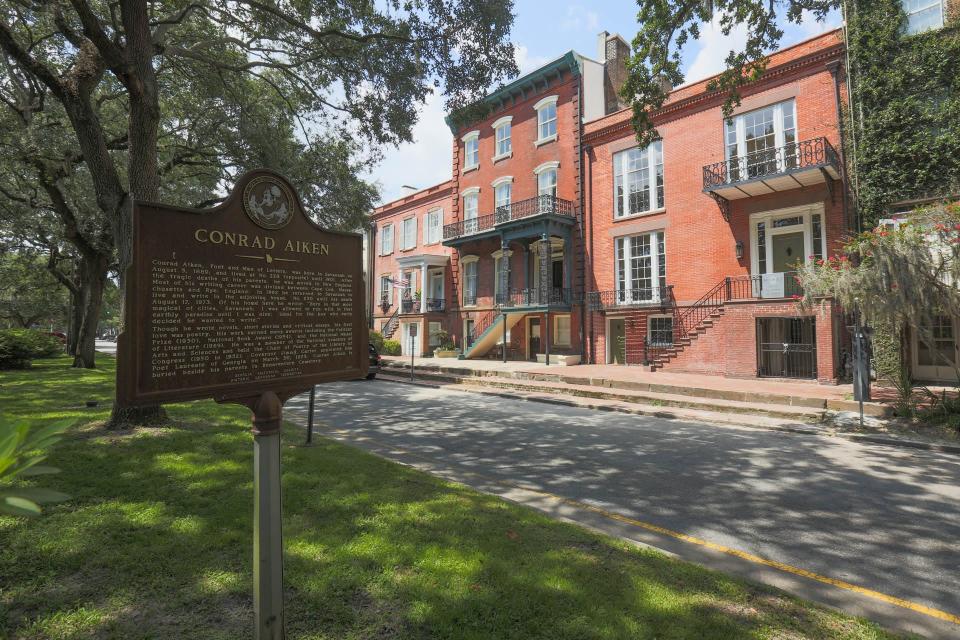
(267, 534)
(413, 335)
(313, 398)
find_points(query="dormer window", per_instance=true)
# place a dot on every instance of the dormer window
(546, 119)
(471, 150)
(504, 148)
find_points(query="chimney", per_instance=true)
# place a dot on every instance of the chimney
(406, 190)
(614, 55)
(602, 45)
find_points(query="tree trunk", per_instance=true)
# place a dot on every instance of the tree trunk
(140, 81)
(93, 277)
(76, 319)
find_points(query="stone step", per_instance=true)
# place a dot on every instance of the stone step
(572, 378)
(649, 398)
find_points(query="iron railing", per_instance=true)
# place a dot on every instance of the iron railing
(817, 152)
(534, 297)
(538, 205)
(409, 305)
(391, 326)
(748, 287)
(645, 297)
(469, 299)
(479, 326)
(435, 304)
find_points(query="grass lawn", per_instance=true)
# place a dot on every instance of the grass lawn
(156, 543)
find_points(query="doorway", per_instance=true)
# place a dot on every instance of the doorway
(786, 348)
(787, 251)
(410, 338)
(533, 338)
(616, 341)
(937, 361)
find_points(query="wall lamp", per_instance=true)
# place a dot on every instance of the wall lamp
(739, 249)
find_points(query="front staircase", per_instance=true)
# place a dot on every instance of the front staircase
(390, 327)
(489, 332)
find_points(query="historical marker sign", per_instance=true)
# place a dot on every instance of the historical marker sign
(231, 301)
(248, 302)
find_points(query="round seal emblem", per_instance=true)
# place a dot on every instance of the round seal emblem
(268, 202)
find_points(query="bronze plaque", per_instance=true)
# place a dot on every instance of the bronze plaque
(247, 297)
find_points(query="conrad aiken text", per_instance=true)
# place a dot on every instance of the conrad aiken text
(214, 236)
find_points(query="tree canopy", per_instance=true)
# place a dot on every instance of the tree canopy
(666, 26)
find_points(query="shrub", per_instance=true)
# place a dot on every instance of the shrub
(15, 352)
(391, 348)
(41, 344)
(376, 339)
(22, 449)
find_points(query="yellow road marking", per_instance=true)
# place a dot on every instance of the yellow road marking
(743, 555)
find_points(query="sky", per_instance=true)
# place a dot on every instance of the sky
(537, 40)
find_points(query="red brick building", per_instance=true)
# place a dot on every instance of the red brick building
(561, 236)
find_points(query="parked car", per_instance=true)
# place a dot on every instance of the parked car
(374, 363)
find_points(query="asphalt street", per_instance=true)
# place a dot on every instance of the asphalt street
(880, 518)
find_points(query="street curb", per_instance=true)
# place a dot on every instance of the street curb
(858, 437)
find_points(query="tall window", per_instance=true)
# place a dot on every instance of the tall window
(546, 119)
(561, 331)
(502, 194)
(638, 180)
(547, 183)
(386, 290)
(501, 269)
(504, 146)
(471, 150)
(386, 240)
(641, 268)
(431, 226)
(408, 238)
(470, 210)
(753, 139)
(470, 283)
(923, 15)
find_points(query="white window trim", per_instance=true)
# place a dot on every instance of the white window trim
(403, 234)
(389, 288)
(627, 256)
(473, 135)
(426, 226)
(556, 331)
(543, 102)
(385, 233)
(778, 139)
(505, 120)
(807, 211)
(501, 180)
(464, 261)
(652, 177)
(468, 259)
(650, 330)
(469, 191)
(943, 17)
(552, 164)
(497, 255)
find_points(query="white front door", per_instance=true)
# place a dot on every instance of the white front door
(410, 338)
(937, 361)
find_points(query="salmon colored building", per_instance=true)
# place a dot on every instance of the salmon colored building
(563, 239)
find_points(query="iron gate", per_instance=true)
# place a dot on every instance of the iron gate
(786, 348)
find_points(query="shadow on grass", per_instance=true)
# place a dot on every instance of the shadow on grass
(156, 543)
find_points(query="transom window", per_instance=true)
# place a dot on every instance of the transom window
(660, 331)
(504, 146)
(432, 226)
(638, 180)
(546, 118)
(386, 240)
(761, 142)
(923, 15)
(641, 268)
(408, 238)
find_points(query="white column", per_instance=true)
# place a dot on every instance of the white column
(423, 287)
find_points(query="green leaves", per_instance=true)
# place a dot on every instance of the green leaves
(22, 449)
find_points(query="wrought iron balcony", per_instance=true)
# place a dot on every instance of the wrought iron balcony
(412, 305)
(644, 297)
(409, 305)
(538, 205)
(469, 299)
(793, 165)
(435, 304)
(554, 296)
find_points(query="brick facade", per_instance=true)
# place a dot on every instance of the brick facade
(701, 235)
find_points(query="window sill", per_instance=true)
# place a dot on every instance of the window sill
(544, 141)
(469, 169)
(408, 249)
(642, 214)
(497, 159)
